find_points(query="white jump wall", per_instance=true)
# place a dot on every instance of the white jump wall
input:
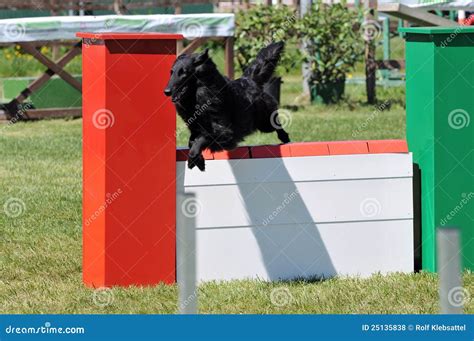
(286, 217)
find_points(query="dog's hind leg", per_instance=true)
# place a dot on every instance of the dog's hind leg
(269, 122)
(282, 134)
(195, 157)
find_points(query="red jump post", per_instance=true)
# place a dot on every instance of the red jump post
(129, 159)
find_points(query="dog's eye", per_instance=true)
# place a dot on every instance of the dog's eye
(180, 72)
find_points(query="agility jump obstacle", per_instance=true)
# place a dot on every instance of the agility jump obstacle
(440, 132)
(129, 159)
(269, 212)
(315, 209)
(347, 205)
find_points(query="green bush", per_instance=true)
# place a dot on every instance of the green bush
(261, 25)
(334, 43)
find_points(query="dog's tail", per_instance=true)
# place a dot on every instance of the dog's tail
(262, 68)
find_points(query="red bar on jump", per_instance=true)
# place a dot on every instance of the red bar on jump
(129, 159)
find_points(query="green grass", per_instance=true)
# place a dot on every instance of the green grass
(40, 258)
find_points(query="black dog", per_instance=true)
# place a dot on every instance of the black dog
(220, 112)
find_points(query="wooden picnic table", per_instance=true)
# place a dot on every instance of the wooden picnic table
(32, 33)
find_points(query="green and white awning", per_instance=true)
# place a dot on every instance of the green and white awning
(191, 26)
(467, 5)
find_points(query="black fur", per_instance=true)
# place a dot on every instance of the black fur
(220, 112)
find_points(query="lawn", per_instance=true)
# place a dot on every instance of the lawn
(40, 263)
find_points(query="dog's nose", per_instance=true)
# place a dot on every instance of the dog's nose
(167, 92)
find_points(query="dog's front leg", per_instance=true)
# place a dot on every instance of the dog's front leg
(192, 137)
(195, 157)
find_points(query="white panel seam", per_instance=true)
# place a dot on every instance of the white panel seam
(296, 181)
(302, 224)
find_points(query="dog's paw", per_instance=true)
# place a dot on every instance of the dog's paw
(201, 164)
(197, 162)
(283, 136)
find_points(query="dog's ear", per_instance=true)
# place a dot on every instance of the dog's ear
(201, 57)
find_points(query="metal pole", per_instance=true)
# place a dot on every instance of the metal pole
(451, 293)
(400, 25)
(386, 47)
(305, 7)
(461, 16)
(370, 46)
(186, 253)
(386, 38)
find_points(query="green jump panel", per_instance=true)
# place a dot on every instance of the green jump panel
(440, 134)
(56, 93)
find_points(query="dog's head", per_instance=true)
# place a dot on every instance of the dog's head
(184, 74)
